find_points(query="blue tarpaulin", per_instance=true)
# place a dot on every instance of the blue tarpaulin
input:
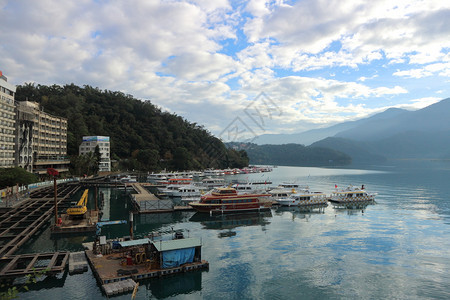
(175, 258)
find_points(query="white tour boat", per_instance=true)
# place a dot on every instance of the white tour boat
(187, 191)
(156, 177)
(303, 197)
(210, 183)
(351, 194)
(249, 188)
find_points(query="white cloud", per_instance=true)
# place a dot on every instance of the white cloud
(209, 59)
(415, 104)
(441, 69)
(314, 100)
(413, 73)
(200, 66)
(365, 30)
(364, 78)
(257, 7)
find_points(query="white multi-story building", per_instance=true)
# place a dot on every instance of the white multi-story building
(88, 145)
(7, 122)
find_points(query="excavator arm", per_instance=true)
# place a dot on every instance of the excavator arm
(80, 208)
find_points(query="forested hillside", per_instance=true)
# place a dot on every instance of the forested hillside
(143, 137)
(292, 155)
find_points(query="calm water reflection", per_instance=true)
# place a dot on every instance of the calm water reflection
(396, 248)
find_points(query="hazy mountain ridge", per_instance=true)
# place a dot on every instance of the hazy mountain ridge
(314, 135)
(360, 152)
(392, 134)
(292, 155)
(433, 118)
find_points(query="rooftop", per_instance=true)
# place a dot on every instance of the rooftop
(177, 244)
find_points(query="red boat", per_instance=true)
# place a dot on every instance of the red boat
(224, 200)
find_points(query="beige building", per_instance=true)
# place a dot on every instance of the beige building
(7, 122)
(42, 139)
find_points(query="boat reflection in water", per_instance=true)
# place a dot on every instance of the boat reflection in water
(353, 208)
(231, 221)
(302, 212)
(316, 208)
(186, 283)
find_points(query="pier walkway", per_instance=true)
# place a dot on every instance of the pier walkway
(142, 193)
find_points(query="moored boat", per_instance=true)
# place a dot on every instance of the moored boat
(154, 177)
(210, 183)
(351, 194)
(284, 190)
(187, 191)
(250, 188)
(303, 197)
(225, 200)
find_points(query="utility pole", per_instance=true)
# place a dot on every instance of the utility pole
(95, 197)
(54, 173)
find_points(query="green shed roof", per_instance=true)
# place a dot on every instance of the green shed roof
(162, 246)
(134, 243)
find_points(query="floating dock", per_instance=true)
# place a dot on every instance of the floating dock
(115, 261)
(145, 202)
(29, 264)
(77, 262)
(109, 268)
(115, 288)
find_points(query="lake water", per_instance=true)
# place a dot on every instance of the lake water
(398, 248)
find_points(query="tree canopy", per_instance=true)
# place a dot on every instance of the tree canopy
(13, 176)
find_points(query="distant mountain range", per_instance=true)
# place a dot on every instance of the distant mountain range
(392, 134)
(292, 155)
(314, 135)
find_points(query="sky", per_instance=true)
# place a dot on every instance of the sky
(239, 68)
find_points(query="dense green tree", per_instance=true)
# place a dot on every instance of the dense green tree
(181, 159)
(13, 176)
(148, 159)
(86, 164)
(98, 158)
(237, 159)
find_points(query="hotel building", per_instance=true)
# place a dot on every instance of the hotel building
(42, 139)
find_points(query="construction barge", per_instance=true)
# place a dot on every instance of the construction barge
(119, 260)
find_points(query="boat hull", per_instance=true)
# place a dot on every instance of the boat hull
(343, 199)
(351, 200)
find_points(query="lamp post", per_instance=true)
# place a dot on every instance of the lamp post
(54, 173)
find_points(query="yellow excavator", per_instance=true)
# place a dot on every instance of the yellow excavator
(79, 209)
